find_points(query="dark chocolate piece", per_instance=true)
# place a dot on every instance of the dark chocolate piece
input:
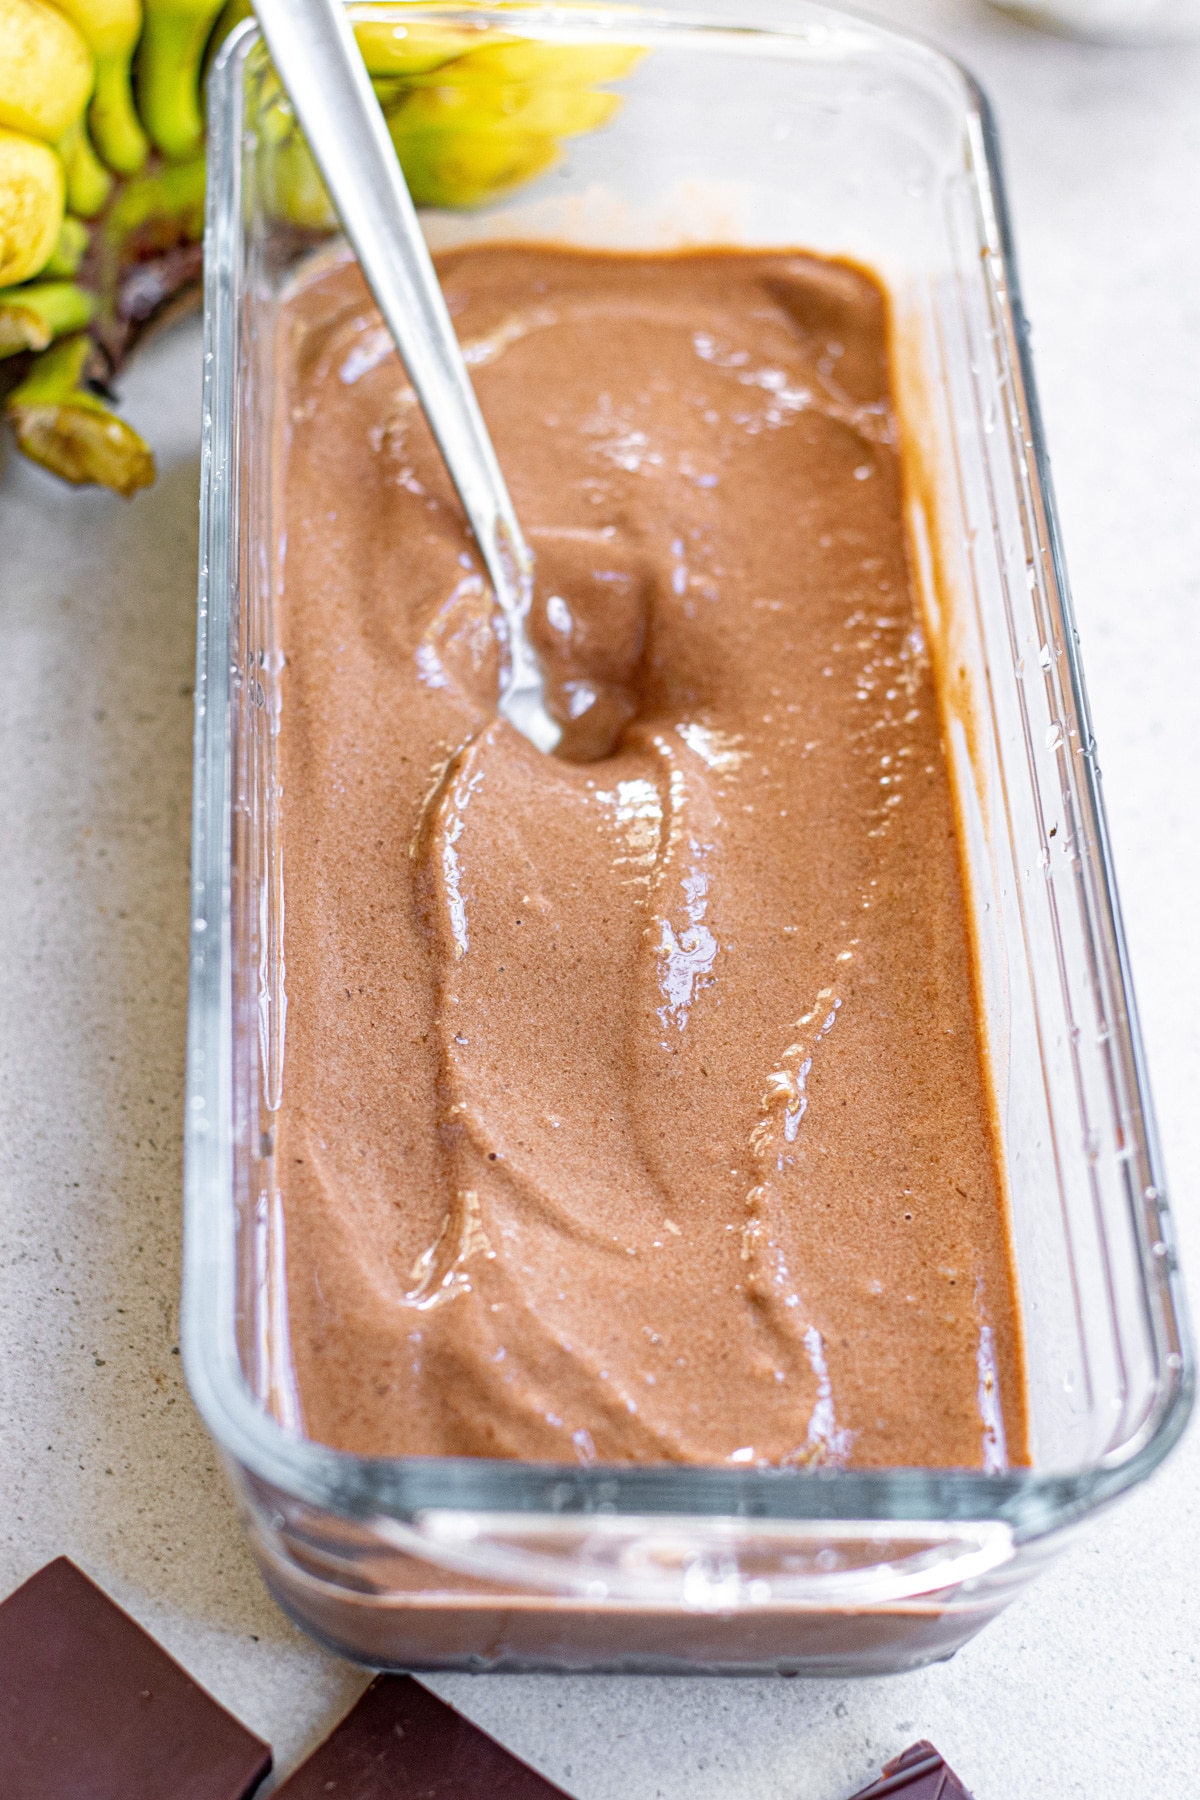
(91, 1708)
(402, 1743)
(920, 1773)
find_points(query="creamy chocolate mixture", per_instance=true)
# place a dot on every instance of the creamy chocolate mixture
(633, 1108)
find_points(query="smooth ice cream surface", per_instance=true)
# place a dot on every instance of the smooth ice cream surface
(634, 1109)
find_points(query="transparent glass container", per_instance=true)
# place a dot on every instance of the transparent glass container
(850, 139)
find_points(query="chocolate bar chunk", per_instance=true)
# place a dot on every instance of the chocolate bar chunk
(919, 1774)
(402, 1743)
(91, 1706)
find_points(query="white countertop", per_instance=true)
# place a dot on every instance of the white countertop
(1090, 1684)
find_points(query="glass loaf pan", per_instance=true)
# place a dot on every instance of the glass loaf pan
(845, 138)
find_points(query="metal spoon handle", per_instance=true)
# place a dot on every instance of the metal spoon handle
(313, 48)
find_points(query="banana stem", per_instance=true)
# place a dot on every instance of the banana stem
(54, 377)
(71, 432)
(33, 315)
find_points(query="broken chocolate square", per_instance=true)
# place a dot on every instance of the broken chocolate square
(920, 1773)
(402, 1743)
(91, 1706)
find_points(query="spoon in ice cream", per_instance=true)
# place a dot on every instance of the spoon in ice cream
(313, 48)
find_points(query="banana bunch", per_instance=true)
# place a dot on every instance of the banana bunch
(102, 178)
(468, 120)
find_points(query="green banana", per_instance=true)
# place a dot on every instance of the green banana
(33, 315)
(111, 29)
(168, 72)
(70, 249)
(69, 430)
(174, 193)
(88, 181)
(292, 188)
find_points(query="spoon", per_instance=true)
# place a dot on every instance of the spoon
(313, 49)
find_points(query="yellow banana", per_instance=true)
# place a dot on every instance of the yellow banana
(111, 29)
(33, 315)
(168, 72)
(525, 59)
(495, 115)
(465, 167)
(62, 425)
(392, 49)
(548, 111)
(45, 69)
(31, 205)
(88, 181)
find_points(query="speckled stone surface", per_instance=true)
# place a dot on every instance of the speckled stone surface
(1091, 1683)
